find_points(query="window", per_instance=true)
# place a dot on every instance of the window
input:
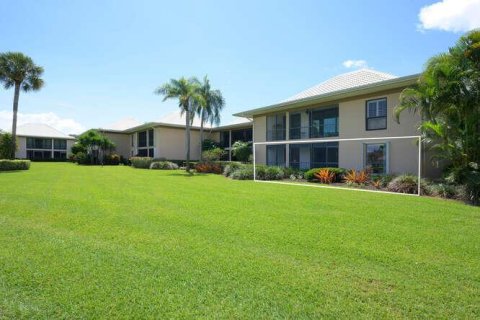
(295, 125)
(59, 155)
(145, 143)
(376, 157)
(324, 122)
(276, 126)
(224, 139)
(244, 135)
(39, 143)
(133, 138)
(150, 138)
(38, 154)
(376, 114)
(60, 144)
(324, 154)
(276, 155)
(142, 139)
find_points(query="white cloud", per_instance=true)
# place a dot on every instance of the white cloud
(450, 15)
(354, 63)
(64, 125)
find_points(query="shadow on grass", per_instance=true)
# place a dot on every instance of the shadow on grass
(187, 175)
(12, 171)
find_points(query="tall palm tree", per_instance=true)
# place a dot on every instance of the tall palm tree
(188, 94)
(19, 71)
(209, 110)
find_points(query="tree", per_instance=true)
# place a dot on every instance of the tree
(447, 95)
(19, 71)
(187, 91)
(95, 144)
(209, 110)
(242, 150)
(6, 145)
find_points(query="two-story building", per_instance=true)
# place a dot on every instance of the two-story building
(307, 130)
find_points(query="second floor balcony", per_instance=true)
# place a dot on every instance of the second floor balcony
(310, 132)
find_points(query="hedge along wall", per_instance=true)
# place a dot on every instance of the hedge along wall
(10, 165)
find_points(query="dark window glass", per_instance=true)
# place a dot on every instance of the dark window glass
(276, 155)
(224, 139)
(295, 125)
(60, 144)
(150, 138)
(39, 143)
(376, 114)
(143, 152)
(59, 155)
(142, 139)
(242, 135)
(324, 155)
(150, 152)
(276, 126)
(324, 123)
(375, 157)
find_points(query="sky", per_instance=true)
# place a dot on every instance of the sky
(104, 59)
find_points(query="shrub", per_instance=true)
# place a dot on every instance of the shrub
(111, 159)
(10, 165)
(6, 145)
(77, 147)
(442, 190)
(273, 173)
(381, 180)
(163, 165)
(141, 162)
(405, 183)
(208, 144)
(339, 173)
(242, 150)
(213, 154)
(357, 177)
(325, 175)
(245, 172)
(230, 168)
(209, 167)
(82, 158)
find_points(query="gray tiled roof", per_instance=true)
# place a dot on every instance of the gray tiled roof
(344, 81)
(40, 130)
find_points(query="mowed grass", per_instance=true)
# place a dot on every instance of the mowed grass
(117, 242)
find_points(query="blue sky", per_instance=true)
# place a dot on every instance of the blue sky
(103, 59)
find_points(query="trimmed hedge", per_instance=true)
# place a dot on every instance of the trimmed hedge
(10, 165)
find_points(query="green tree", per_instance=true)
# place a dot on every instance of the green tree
(95, 144)
(210, 108)
(19, 71)
(447, 95)
(187, 91)
(242, 150)
(6, 145)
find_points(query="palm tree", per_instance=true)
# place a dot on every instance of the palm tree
(188, 95)
(19, 71)
(447, 96)
(209, 110)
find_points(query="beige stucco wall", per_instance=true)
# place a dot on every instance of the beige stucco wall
(170, 143)
(21, 152)
(122, 143)
(402, 154)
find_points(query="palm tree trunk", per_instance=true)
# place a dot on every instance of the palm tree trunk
(201, 135)
(187, 140)
(16, 96)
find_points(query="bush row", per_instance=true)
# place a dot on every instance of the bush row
(10, 165)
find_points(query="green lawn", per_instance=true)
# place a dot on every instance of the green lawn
(93, 242)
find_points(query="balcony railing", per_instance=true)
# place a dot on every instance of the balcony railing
(314, 131)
